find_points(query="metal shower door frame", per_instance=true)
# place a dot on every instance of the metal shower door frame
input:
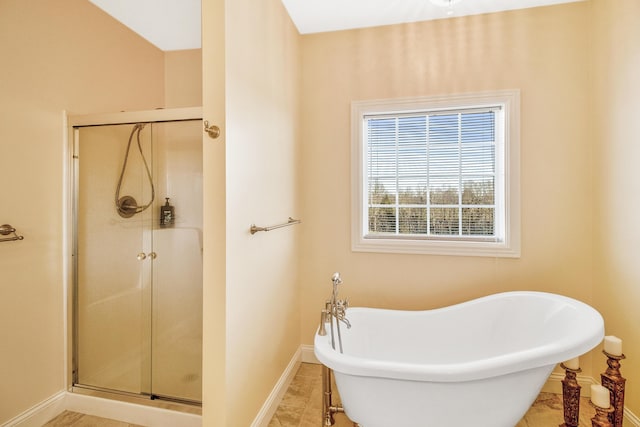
(74, 124)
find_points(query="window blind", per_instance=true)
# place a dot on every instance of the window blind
(432, 173)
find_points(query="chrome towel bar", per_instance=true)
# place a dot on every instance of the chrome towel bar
(5, 230)
(254, 229)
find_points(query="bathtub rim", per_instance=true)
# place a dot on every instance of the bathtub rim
(549, 354)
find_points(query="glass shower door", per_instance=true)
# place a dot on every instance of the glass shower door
(113, 260)
(138, 275)
(177, 268)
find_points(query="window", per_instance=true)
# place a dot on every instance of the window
(437, 175)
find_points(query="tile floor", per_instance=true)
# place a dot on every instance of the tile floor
(301, 406)
(74, 419)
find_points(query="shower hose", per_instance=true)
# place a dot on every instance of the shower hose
(127, 205)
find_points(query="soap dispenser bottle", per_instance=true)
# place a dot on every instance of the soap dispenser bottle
(167, 214)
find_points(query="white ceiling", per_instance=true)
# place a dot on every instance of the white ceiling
(175, 24)
(314, 16)
(168, 24)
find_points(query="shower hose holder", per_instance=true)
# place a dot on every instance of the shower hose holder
(127, 206)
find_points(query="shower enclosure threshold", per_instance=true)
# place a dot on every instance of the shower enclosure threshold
(185, 406)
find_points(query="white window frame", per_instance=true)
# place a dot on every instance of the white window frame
(507, 243)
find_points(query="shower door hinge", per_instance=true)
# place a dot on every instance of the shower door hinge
(213, 130)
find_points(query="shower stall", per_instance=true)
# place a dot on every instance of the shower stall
(137, 254)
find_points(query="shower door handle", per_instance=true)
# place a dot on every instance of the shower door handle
(142, 256)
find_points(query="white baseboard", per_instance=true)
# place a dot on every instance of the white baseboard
(308, 356)
(39, 414)
(630, 419)
(106, 408)
(273, 400)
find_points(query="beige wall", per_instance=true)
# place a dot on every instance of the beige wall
(544, 52)
(262, 184)
(183, 78)
(616, 65)
(54, 57)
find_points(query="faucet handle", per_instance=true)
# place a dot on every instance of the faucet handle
(343, 303)
(341, 312)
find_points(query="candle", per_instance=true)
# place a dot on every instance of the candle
(600, 396)
(572, 363)
(613, 345)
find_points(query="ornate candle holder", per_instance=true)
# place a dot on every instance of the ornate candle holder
(613, 380)
(601, 419)
(570, 397)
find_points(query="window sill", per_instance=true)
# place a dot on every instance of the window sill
(436, 247)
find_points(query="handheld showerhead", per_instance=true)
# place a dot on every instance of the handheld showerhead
(336, 279)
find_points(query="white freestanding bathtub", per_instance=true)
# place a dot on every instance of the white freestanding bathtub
(480, 363)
